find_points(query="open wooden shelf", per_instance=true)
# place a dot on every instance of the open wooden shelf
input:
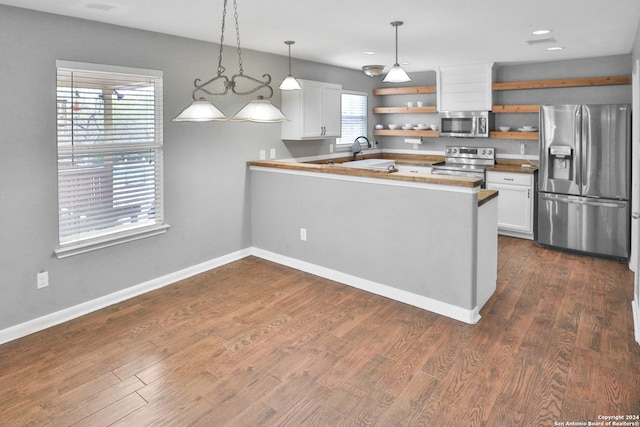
(577, 82)
(400, 132)
(411, 90)
(397, 110)
(514, 135)
(530, 108)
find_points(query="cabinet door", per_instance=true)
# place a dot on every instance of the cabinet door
(312, 96)
(332, 110)
(515, 205)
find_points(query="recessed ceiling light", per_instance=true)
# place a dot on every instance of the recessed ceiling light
(540, 32)
(369, 52)
(555, 48)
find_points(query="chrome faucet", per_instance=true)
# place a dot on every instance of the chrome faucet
(357, 148)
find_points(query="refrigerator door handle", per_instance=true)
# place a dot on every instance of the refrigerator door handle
(582, 201)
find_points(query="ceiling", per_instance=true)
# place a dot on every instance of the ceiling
(338, 32)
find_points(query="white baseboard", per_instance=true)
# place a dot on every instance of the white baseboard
(49, 320)
(44, 322)
(635, 305)
(425, 303)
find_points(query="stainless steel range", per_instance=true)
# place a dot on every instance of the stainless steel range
(466, 161)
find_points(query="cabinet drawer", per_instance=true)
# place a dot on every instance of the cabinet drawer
(509, 178)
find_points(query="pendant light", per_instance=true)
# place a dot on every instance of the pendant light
(396, 74)
(259, 110)
(290, 82)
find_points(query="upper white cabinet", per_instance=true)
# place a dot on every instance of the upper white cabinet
(313, 112)
(465, 87)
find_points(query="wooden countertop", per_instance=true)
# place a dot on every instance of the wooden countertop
(514, 166)
(485, 195)
(336, 168)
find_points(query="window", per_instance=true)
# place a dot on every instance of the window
(109, 135)
(354, 117)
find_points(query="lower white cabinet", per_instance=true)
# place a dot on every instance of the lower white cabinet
(515, 202)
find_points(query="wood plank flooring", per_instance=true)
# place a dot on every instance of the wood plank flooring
(257, 344)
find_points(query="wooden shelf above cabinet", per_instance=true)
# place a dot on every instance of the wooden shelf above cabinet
(412, 90)
(396, 110)
(577, 82)
(514, 135)
(400, 132)
(531, 108)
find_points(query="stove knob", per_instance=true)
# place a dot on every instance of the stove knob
(484, 151)
(455, 150)
(489, 151)
(448, 150)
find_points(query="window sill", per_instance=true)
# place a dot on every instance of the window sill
(89, 245)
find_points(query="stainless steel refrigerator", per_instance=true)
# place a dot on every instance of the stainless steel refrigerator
(584, 179)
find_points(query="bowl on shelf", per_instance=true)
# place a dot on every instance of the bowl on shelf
(434, 127)
(421, 126)
(407, 126)
(379, 126)
(528, 129)
(504, 128)
(393, 127)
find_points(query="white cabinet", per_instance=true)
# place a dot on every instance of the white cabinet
(465, 87)
(313, 112)
(515, 202)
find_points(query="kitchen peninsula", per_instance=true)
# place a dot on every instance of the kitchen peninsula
(425, 240)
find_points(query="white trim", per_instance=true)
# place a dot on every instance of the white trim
(366, 180)
(635, 306)
(101, 68)
(44, 322)
(457, 313)
(113, 239)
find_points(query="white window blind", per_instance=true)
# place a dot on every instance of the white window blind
(354, 117)
(109, 134)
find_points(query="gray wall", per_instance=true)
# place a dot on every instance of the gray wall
(607, 66)
(204, 163)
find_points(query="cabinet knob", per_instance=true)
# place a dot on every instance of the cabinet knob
(635, 215)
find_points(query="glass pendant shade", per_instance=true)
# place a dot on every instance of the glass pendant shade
(261, 111)
(290, 83)
(200, 111)
(396, 75)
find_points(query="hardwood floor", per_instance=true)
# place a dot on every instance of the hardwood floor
(254, 343)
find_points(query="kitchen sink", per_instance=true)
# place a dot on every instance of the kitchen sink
(378, 164)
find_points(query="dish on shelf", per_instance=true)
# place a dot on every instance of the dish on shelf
(528, 129)
(407, 127)
(379, 126)
(393, 127)
(504, 128)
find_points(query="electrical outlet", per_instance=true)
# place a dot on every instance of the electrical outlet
(42, 279)
(303, 234)
(330, 148)
(272, 153)
(523, 148)
(263, 154)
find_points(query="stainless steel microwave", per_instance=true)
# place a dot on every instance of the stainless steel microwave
(473, 124)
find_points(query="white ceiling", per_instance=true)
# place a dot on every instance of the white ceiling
(338, 32)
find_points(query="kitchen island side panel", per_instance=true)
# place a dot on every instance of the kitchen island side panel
(422, 240)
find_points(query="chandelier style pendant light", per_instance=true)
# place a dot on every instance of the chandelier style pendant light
(396, 74)
(259, 110)
(290, 82)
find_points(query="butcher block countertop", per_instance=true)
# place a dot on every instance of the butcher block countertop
(514, 166)
(337, 168)
(484, 195)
